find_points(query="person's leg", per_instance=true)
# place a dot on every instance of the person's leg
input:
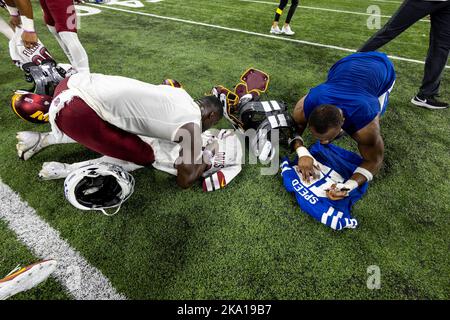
(409, 13)
(48, 19)
(438, 53)
(287, 28)
(77, 53)
(78, 121)
(63, 46)
(64, 14)
(279, 11)
(292, 9)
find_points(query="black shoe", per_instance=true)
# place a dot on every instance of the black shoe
(429, 103)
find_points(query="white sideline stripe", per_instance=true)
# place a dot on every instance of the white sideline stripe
(46, 243)
(314, 44)
(387, 1)
(329, 10)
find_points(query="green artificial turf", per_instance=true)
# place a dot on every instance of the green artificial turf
(250, 240)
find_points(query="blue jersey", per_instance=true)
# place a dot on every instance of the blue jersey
(356, 84)
(336, 165)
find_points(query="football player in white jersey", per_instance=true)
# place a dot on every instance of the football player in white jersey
(224, 166)
(110, 114)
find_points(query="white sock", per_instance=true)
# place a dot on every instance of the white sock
(61, 43)
(49, 140)
(6, 29)
(79, 56)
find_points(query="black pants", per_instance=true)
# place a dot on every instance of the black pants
(409, 13)
(282, 5)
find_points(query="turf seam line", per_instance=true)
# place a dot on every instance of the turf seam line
(74, 272)
(329, 10)
(314, 44)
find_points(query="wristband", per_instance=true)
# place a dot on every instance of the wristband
(296, 137)
(366, 173)
(348, 186)
(303, 152)
(27, 24)
(13, 11)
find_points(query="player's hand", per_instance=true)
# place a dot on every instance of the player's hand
(213, 146)
(335, 193)
(306, 168)
(30, 39)
(15, 22)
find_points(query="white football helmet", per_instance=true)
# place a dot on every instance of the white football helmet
(99, 187)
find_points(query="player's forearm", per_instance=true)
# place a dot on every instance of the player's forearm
(365, 173)
(188, 174)
(373, 159)
(25, 8)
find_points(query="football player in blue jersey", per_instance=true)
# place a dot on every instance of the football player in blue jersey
(351, 100)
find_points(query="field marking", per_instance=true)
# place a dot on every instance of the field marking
(314, 44)
(387, 1)
(328, 10)
(77, 276)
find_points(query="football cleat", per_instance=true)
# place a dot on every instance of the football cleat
(287, 31)
(275, 30)
(54, 170)
(22, 279)
(29, 143)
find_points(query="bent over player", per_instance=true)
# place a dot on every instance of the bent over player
(224, 166)
(351, 100)
(107, 114)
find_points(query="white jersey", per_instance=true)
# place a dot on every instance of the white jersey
(21, 55)
(226, 164)
(137, 107)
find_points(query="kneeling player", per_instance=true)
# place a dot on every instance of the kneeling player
(223, 167)
(108, 114)
(352, 100)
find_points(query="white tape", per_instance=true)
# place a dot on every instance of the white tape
(366, 173)
(303, 152)
(27, 24)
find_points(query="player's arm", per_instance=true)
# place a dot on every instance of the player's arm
(13, 13)
(371, 148)
(192, 166)
(29, 36)
(300, 120)
(305, 160)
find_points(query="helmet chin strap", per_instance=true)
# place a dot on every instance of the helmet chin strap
(111, 214)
